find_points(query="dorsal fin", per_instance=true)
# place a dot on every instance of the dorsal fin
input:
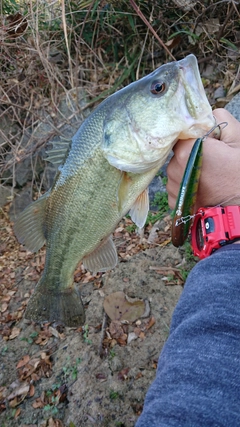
(103, 258)
(57, 154)
(29, 226)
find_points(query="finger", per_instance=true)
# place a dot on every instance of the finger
(229, 134)
(171, 201)
(183, 148)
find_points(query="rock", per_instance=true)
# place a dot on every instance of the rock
(20, 202)
(5, 195)
(220, 92)
(185, 4)
(234, 106)
(23, 172)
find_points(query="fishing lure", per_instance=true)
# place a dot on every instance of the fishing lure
(184, 209)
(187, 195)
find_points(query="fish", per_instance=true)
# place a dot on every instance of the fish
(105, 174)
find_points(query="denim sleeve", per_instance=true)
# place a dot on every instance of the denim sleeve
(198, 375)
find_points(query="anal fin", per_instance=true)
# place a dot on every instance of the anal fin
(103, 258)
(29, 225)
(140, 208)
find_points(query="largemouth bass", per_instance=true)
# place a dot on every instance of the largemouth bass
(113, 157)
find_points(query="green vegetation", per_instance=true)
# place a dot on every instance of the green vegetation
(161, 202)
(48, 48)
(71, 371)
(85, 334)
(31, 337)
(112, 354)
(113, 395)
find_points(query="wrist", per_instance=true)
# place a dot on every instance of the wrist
(214, 228)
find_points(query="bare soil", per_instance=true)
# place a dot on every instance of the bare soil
(56, 376)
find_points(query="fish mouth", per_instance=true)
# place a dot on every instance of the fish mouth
(194, 103)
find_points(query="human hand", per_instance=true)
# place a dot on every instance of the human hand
(220, 175)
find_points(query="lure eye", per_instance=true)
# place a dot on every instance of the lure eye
(157, 87)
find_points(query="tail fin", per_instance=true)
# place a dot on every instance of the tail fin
(65, 306)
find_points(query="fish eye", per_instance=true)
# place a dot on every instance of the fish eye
(157, 87)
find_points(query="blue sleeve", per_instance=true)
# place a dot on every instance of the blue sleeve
(198, 375)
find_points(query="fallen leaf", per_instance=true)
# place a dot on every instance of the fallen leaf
(4, 307)
(23, 361)
(15, 332)
(119, 306)
(117, 332)
(31, 390)
(38, 403)
(139, 375)
(116, 329)
(131, 337)
(122, 375)
(21, 390)
(150, 323)
(17, 413)
(101, 377)
(51, 422)
(173, 42)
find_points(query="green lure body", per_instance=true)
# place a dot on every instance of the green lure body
(187, 195)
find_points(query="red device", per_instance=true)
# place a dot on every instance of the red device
(213, 228)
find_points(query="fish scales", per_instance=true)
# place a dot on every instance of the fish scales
(112, 159)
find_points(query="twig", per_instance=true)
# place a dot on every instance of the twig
(220, 33)
(140, 14)
(104, 324)
(67, 44)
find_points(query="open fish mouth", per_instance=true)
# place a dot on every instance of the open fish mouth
(194, 105)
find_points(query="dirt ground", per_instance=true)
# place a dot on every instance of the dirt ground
(94, 375)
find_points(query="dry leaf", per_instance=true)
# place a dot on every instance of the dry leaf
(4, 307)
(15, 332)
(17, 413)
(117, 332)
(38, 403)
(23, 361)
(19, 391)
(54, 423)
(173, 42)
(122, 375)
(150, 323)
(131, 336)
(119, 306)
(31, 390)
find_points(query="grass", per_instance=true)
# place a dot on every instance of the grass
(31, 337)
(161, 202)
(100, 47)
(113, 395)
(71, 371)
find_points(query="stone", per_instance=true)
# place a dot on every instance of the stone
(234, 106)
(5, 195)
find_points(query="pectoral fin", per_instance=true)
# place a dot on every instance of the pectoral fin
(29, 227)
(139, 210)
(103, 258)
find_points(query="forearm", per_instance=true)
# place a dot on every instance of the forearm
(198, 376)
